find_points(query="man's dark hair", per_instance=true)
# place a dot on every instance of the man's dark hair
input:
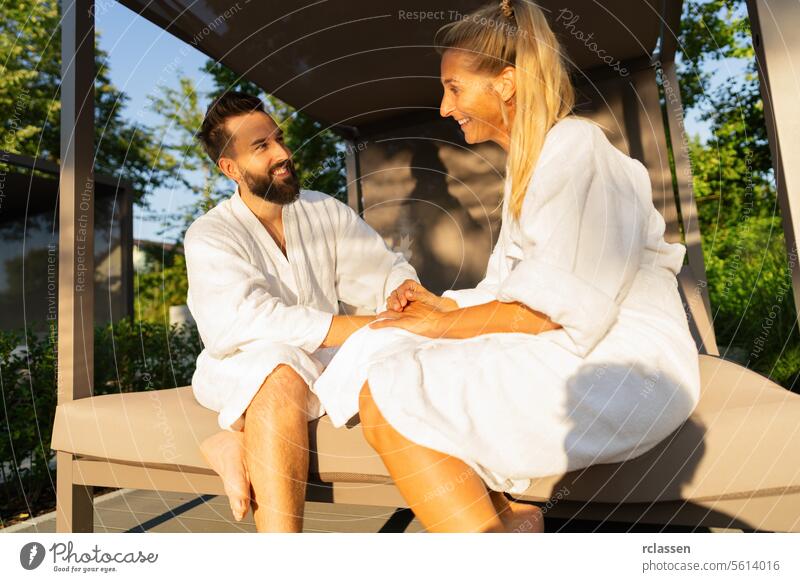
(213, 135)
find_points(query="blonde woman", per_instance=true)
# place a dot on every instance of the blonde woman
(574, 350)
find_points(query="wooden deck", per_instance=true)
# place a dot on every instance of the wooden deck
(133, 510)
(137, 511)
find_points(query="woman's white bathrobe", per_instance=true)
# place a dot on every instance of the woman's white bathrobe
(256, 308)
(618, 377)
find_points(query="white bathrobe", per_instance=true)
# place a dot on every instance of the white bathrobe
(256, 308)
(618, 377)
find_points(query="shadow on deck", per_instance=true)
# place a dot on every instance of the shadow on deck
(137, 511)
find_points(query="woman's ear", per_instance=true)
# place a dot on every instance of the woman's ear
(505, 83)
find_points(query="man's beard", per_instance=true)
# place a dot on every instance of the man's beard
(284, 190)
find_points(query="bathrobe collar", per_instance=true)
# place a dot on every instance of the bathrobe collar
(245, 214)
(295, 254)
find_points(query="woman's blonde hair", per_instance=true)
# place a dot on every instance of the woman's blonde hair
(517, 34)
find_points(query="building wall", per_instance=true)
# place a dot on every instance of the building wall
(29, 253)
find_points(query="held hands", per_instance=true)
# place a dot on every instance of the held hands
(411, 291)
(416, 317)
(414, 308)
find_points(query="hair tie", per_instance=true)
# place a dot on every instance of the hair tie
(506, 9)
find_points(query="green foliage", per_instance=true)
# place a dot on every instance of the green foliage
(132, 356)
(226, 80)
(750, 289)
(128, 357)
(711, 30)
(158, 289)
(27, 383)
(728, 185)
(182, 114)
(747, 268)
(749, 283)
(733, 171)
(30, 100)
(785, 369)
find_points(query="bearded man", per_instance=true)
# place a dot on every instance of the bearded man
(267, 270)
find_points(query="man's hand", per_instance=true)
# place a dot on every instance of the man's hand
(410, 291)
(342, 327)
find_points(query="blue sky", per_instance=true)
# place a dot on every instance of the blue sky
(143, 57)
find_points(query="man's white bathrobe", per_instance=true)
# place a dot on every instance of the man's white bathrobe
(619, 376)
(256, 308)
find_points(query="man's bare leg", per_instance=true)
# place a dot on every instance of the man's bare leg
(276, 451)
(224, 452)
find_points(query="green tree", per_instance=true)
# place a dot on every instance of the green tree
(181, 112)
(30, 101)
(743, 244)
(161, 286)
(733, 171)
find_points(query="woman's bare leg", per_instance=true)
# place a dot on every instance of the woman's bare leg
(444, 493)
(224, 452)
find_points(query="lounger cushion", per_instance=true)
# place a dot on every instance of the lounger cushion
(741, 440)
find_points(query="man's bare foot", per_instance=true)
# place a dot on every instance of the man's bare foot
(518, 517)
(224, 452)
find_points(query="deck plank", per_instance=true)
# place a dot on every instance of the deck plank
(157, 511)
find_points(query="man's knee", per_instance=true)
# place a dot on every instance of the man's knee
(283, 390)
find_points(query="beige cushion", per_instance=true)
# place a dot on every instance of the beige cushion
(741, 439)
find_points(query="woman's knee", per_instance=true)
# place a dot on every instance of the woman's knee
(374, 426)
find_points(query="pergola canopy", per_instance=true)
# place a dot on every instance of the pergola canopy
(353, 63)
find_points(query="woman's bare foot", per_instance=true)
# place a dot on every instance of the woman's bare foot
(523, 518)
(518, 517)
(224, 452)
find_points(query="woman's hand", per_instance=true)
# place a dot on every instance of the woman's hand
(410, 291)
(416, 317)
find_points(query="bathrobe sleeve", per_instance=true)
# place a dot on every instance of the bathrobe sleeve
(583, 231)
(485, 291)
(232, 303)
(367, 271)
